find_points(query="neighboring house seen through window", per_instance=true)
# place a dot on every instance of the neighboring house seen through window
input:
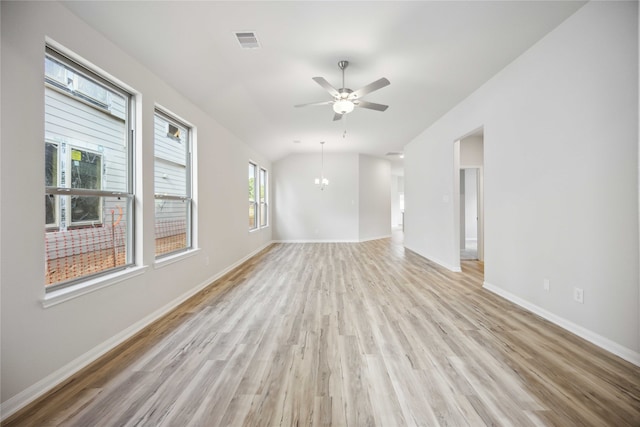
(172, 181)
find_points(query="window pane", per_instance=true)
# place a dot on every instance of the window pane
(252, 196)
(252, 215)
(170, 170)
(51, 205)
(172, 178)
(55, 71)
(94, 91)
(51, 180)
(263, 197)
(50, 164)
(171, 225)
(85, 173)
(263, 181)
(263, 215)
(79, 252)
(86, 134)
(252, 182)
(85, 169)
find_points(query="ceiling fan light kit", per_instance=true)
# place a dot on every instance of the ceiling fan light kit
(346, 100)
(343, 106)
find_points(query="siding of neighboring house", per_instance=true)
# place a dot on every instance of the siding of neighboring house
(71, 124)
(170, 178)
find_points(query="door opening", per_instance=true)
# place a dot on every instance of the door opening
(469, 187)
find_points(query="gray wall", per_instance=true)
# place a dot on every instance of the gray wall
(560, 177)
(355, 206)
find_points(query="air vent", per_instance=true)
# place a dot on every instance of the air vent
(247, 39)
(393, 153)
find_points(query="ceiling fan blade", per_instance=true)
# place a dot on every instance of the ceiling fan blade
(371, 105)
(337, 116)
(325, 84)
(315, 103)
(378, 84)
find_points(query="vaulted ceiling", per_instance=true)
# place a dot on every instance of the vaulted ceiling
(435, 53)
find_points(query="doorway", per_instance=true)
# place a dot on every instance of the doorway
(469, 187)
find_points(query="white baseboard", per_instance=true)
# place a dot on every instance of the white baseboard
(455, 269)
(38, 389)
(315, 241)
(368, 239)
(594, 338)
(332, 240)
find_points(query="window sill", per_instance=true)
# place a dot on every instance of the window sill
(253, 230)
(72, 292)
(163, 262)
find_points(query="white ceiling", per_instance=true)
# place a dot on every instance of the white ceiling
(434, 53)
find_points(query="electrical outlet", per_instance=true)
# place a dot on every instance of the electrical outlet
(206, 260)
(546, 285)
(578, 295)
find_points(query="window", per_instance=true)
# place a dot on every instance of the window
(173, 131)
(172, 181)
(264, 206)
(253, 223)
(88, 173)
(258, 197)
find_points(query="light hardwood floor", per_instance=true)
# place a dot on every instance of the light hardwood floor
(347, 334)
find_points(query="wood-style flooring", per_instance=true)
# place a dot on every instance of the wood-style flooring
(347, 334)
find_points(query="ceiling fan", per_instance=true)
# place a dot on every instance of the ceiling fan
(345, 99)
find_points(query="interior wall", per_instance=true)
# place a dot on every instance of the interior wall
(396, 215)
(41, 345)
(305, 213)
(375, 203)
(470, 205)
(560, 177)
(355, 206)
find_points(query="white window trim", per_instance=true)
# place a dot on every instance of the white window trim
(56, 206)
(76, 290)
(257, 203)
(256, 189)
(63, 291)
(266, 197)
(174, 257)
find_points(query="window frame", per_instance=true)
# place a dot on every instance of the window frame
(56, 180)
(263, 201)
(128, 194)
(254, 202)
(172, 120)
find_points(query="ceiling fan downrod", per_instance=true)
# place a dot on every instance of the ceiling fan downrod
(343, 65)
